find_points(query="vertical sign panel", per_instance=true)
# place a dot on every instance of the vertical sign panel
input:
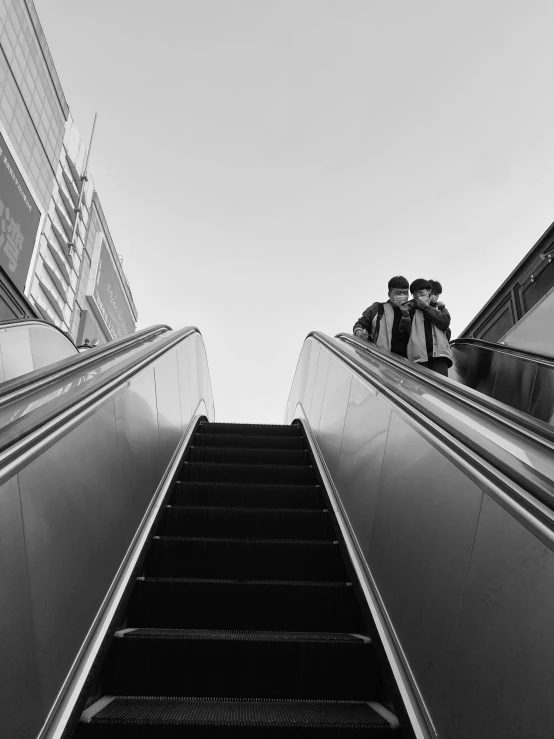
(109, 298)
(19, 220)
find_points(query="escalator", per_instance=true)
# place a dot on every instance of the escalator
(245, 584)
(380, 565)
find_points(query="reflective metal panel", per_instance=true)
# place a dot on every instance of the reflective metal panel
(314, 414)
(542, 397)
(310, 377)
(20, 703)
(299, 383)
(203, 375)
(48, 346)
(333, 413)
(423, 532)
(74, 539)
(504, 651)
(361, 458)
(184, 385)
(514, 382)
(166, 374)
(17, 358)
(137, 437)
(481, 373)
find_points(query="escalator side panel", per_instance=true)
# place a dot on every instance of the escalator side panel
(79, 503)
(432, 540)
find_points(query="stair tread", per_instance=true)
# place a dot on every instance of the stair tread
(238, 712)
(246, 540)
(230, 581)
(328, 637)
(252, 509)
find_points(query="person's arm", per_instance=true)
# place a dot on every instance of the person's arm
(362, 327)
(439, 318)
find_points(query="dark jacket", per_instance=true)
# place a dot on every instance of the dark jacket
(370, 321)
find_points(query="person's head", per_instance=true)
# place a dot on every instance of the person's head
(398, 290)
(436, 290)
(421, 288)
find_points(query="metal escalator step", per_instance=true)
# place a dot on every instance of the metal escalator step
(245, 559)
(246, 495)
(249, 429)
(236, 523)
(233, 455)
(248, 474)
(231, 664)
(256, 605)
(248, 441)
(123, 717)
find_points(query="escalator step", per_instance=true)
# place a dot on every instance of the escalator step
(122, 717)
(244, 473)
(245, 559)
(243, 605)
(259, 523)
(247, 429)
(235, 494)
(249, 442)
(248, 456)
(228, 664)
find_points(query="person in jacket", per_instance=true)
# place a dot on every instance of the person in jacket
(436, 302)
(428, 344)
(388, 324)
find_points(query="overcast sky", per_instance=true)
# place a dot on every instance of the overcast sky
(266, 165)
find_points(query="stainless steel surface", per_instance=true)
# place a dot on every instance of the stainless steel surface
(417, 712)
(320, 381)
(436, 492)
(30, 345)
(61, 710)
(66, 381)
(80, 497)
(534, 331)
(331, 424)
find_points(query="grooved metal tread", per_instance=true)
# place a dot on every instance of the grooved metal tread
(239, 712)
(216, 581)
(245, 540)
(299, 637)
(253, 509)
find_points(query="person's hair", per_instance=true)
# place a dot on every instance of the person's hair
(420, 284)
(436, 287)
(398, 282)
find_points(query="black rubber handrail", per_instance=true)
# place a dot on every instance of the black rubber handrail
(23, 435)
(52, 373)
(483, 403)
(524, 354)
(504, 471)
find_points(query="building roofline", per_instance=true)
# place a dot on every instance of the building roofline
(47, 56)
(515, 275)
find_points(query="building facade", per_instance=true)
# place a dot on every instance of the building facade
(48, 204)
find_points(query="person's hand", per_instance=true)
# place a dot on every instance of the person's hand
(439, 305)
(421, 303)
(361, 333)
(405, 309)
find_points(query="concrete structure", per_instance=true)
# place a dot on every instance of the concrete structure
(46, 268)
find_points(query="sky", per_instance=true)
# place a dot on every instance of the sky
(265, 166)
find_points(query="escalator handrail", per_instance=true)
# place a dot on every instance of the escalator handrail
(24, 438)
(52, 373)
(526, 424)
(524, 354)
(524, 490)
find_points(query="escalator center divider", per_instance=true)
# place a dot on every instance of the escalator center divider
(242, 620)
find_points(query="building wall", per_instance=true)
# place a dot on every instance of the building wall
(37, 125)
(32, 107)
